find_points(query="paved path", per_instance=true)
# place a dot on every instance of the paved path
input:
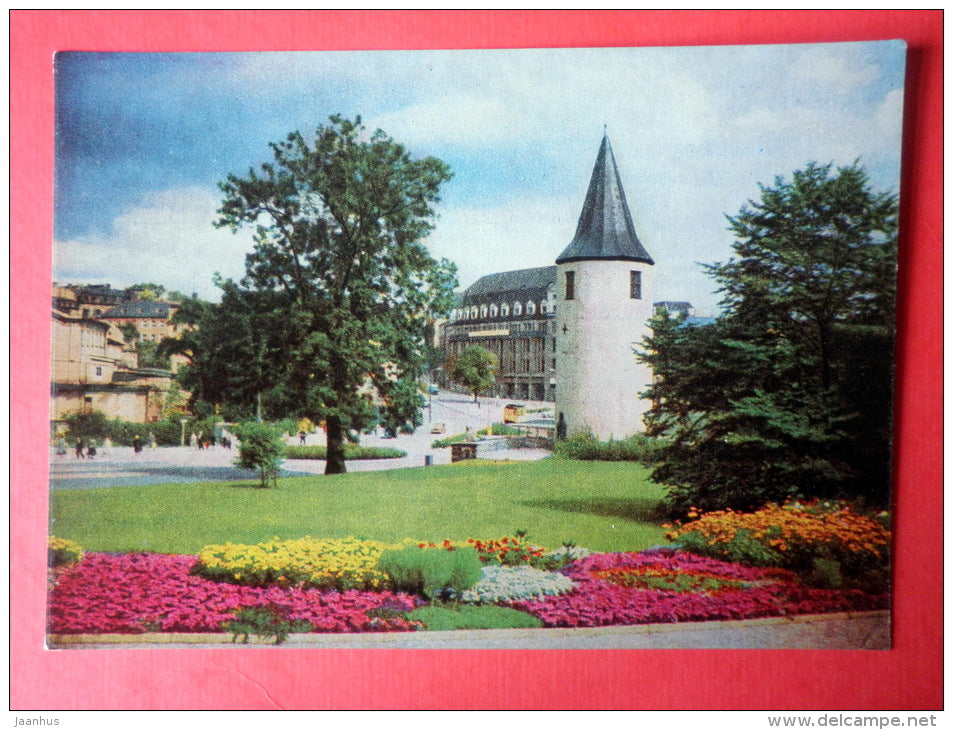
(863, 630)
(120, 466)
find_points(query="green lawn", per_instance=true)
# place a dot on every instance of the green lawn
(600, 505)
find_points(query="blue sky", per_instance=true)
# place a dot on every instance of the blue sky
(143, 139)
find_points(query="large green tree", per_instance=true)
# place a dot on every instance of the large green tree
(342, 284)
(788, 393)
(474, 368)
(228, 350)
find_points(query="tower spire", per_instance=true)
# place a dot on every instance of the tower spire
(605, 229)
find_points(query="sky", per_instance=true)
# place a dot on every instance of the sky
(142, 140)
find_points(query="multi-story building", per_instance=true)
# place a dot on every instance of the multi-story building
(93, 369)
(88, 300)
(510, 314)
(152, 318)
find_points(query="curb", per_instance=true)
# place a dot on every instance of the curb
(872, 629)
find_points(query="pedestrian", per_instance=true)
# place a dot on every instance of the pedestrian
(193, 440)
(152, 440)
(302, 437)
(91, 451)
(79, 448)
(137, 444)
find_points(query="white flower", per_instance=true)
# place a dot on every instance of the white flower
(501, 583)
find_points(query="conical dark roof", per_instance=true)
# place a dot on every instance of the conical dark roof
(605, 229)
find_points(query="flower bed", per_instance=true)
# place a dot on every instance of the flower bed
(307, 562)
(828, 539)
(136, 593)
(142, 592)
(600, 598)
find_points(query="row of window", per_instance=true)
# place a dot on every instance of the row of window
(504, 310)
(635, 285)
(534, 326)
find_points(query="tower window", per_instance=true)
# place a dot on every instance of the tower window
(570, 285)
(635, 285)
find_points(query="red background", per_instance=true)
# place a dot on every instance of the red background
(907, 677)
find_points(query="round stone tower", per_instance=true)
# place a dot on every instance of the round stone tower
(604, 304)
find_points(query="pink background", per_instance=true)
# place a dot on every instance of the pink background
(907, 677)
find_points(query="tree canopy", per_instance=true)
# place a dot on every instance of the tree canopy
(339, 289)
(474, 368)
(789, 393)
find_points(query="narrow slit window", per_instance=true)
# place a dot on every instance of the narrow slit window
(635, 285)
(570, 285)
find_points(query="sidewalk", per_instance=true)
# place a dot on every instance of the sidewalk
(120, 466)
(865, 630)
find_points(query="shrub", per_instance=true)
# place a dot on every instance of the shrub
(63, 552)
(339, 564)
(449, 618)
(92, 426)
(826, 542)
(261, 447)
(352, 452)
(500, 429)
(265, 622)
(449, 441)
(562, 556)
(501, 583)
(431, 573)
(586, 447)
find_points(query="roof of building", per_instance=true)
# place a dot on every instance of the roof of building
(76, 319)
(698, 321)
(146, 308)
(673, 305)
(605, 230)
(522, 283)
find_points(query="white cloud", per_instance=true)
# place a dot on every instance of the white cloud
(829, 67)
(167, 238)
(464, 119)
(519, 234)
(693, 129)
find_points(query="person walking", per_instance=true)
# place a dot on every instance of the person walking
(79, 448)
(137, 444)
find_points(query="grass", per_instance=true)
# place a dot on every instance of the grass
(602, 506)
(449, 618)
(352, 452)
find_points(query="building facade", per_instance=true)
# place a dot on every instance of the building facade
(511, 314)
(94, 370)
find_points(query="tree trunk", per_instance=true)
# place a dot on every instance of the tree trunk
(335, 461)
